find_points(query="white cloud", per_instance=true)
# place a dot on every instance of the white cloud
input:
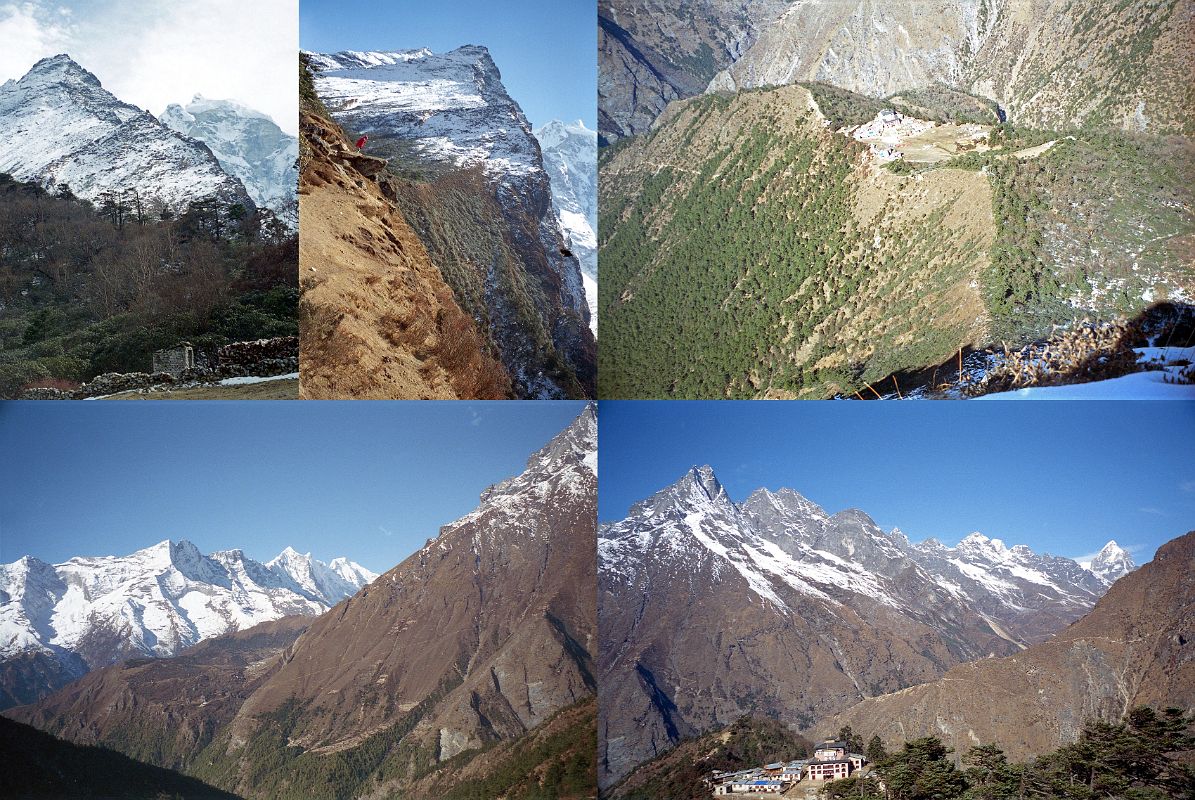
(152, 54)
(29, 34)
(1188, 486)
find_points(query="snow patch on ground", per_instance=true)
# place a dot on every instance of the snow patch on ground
(247, 379)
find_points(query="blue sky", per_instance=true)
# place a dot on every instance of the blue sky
(545, 49)
(1060, 477)
(367, 480)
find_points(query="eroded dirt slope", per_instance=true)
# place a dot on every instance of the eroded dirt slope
(377, 319)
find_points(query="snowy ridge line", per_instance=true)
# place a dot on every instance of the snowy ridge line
(566, 464)
(781, 543)
(452, 106)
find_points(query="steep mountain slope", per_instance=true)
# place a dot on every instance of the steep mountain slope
(59, 126)
(1132, 649)
(53, 769)
(468, 665)
(478, 638)
(378, 320)
(249, 145)
(469, 177)
(709, 610)
(570, 158)
(750, 251)
(652, 52)
(58, 621)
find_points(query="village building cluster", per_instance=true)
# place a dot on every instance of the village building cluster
(831, 760)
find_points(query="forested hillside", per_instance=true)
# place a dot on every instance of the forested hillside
(90, 288)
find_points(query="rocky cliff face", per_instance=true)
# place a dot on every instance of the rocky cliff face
(709, 610)
(652, 52)
(476, 192)
(248, 145)
(59, 127)
(59, 621)
(480, 637)
(1133, 648)
(378, 320)
(570, 158)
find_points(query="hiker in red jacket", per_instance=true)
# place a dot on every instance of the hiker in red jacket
(361, 142)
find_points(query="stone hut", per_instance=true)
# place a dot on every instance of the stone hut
(174, 359)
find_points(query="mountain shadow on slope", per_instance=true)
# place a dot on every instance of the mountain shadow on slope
(38, 765)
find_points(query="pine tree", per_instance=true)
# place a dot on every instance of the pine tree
(875, 750)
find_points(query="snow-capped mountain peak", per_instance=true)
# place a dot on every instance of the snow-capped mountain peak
(322, 581)
(61, 69)
(59, 126)
(1112, 563)
(781, 542)
(248, 144)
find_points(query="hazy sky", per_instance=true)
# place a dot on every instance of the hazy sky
(151, 53)
(546, 50)
(1060, 477)
(368, 480)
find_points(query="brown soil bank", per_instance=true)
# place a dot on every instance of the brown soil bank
(376, 317)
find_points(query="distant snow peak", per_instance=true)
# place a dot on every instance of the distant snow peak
(248, 144)
(157, 600)
(1112, 563)
(570, 159)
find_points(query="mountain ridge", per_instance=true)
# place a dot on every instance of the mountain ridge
(461, 658)
(1131, 649)
(468, 175)
(710, 610)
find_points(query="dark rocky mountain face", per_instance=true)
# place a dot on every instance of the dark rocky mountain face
(60, 127)
(1133, 648)
(473, 642)
(652, 52)
(710, 610)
